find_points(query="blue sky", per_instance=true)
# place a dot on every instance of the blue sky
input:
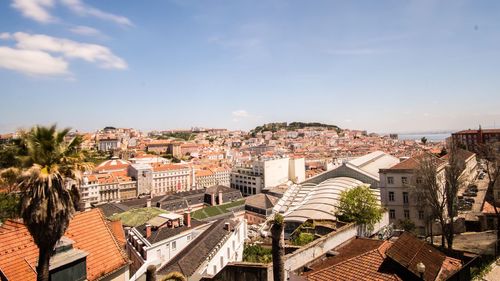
(384, 66)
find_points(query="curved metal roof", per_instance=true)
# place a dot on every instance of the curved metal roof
(310, 201)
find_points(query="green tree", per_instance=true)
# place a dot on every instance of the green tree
(46, 204)
(424, 140)
(9, 206)
(407, 225)
(359, 205)
(8, 179)
(302, 239)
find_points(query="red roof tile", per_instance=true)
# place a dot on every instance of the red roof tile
(89, 231)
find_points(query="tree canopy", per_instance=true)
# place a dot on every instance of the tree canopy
(359, 205)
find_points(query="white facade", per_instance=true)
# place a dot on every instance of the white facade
(230, 251)
(142, 253)
(251, 179)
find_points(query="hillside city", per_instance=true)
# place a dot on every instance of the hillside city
(236, 140)
(202, 204)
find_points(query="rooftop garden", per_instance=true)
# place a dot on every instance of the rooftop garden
(136, 217)
(257, 254)
(215, 210)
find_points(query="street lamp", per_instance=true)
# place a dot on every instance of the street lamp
(421, 269)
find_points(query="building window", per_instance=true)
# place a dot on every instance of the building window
(215, 269)
(392, 214)
(404, 180)
(419, 180)
(407, 214)
(174, 245)
(189, 237)
(221, 262)
(421, 215)
(390, 180)
(391, 196)
(405, 197)
(228, 253)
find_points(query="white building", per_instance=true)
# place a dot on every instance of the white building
(210, 252)
(396, 186)
(160, 240)
(251, 179)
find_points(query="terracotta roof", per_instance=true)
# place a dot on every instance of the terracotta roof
(113, 165)
(412, 163)
(167, 167)
(90, 232)
(116, 228)
(408, 251)
(366, 266)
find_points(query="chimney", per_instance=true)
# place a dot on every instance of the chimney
(187, 218)
(227, 226)
(220, 197)
(212, 196)
(148, 230)
(148, 203)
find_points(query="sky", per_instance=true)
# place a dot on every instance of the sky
(381, 66)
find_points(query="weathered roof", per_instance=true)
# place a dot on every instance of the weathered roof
(90, 233)
(408, 251)
(363, 262)
(261, 201)
(163, 233)
(191, 257)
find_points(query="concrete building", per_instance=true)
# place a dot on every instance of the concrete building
(108, 144)
(396, 184)
(252, 178)
(209, 176)
(143, 175)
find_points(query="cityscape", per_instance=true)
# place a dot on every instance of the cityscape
(232, 140)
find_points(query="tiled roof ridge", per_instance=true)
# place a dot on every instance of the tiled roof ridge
(191, 247)
(348, 260)
(108, 229)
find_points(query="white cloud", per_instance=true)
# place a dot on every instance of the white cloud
(86, 31)
(78, 7)
(35, 9)
(240, 113)
(38, 54)
(32, 62)
(38, 10)
(5, 36)
(94, 53)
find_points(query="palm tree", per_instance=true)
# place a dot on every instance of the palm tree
(278, 247)
(46, 205)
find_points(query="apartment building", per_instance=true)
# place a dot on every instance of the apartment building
(170, 178)
(396, 186)
(471, 139)
(267, 172)
(210, 176)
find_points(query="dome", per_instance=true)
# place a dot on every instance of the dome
(114, 164)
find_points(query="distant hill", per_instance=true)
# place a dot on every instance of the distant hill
(274, 127)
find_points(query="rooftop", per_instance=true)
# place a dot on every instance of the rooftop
(19, 254)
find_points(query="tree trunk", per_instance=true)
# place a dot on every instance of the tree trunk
(450, 235)
(42, 268)
(443, 226)
(278, 251)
